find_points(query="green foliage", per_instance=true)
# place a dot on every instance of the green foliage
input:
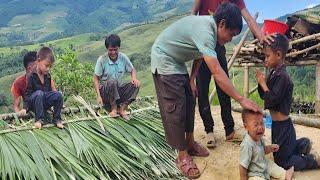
(72, 77)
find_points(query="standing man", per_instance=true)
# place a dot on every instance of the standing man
(177, 44)
(208, 7)
(108, 79)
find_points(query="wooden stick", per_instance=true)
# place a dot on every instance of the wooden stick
(296, 119)
(293, 54)
(313, 36)
(67, 122)
(253, 90)
(235, 53)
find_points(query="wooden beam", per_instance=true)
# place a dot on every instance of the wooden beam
(317, 107)
(246, 82)
(298, 63)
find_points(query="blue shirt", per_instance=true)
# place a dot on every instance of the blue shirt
(187, 39)
(106, 69)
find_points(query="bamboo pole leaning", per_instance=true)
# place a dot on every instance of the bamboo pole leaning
(296, 119)
(234, 55)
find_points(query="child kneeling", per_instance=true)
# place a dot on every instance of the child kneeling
(253, 164)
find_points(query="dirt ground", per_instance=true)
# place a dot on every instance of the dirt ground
(223, 162)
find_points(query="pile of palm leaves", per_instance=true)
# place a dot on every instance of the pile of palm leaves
(125, 150)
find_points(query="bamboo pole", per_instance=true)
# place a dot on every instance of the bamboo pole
(293, 54)
(296, 119)
(16, 129)
(317, 106)
(313, 36)
(253, 90)
(246, 82)
(235, 53)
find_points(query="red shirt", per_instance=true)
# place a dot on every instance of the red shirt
(208, 6)
(19, 86)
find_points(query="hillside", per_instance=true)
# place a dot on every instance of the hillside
(29, 21)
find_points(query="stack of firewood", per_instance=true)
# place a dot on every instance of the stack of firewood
(304, 40)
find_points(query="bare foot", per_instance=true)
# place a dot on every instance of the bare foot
(289, 173)
(211, 142)
(38, 124)
(124, 115)
(59, 125)
(113, 113)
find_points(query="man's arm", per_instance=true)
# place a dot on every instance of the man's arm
(16, 104)
(255, 29)
(225, 84)
(243, 173)
(134, 79)
(196, 7)
(97, 88)
(194, 71)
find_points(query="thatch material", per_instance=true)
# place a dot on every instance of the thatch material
(133, 150)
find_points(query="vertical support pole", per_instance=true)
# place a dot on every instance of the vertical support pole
(317, 107)
(246, 81)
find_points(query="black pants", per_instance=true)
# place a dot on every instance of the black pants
(41, 101)
(291, 152)
(203, 82)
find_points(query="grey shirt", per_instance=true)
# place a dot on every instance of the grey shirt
(187, 39)
(252, 157)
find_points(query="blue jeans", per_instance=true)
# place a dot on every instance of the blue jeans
(41, 101)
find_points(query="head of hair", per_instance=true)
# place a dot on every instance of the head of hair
(28, 58)
(112, 40)
(45, 53)
(245, 113)
(231, 14)
(280, 43)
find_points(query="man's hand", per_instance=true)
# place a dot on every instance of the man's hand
(267, 39)
(22, 112)
(135, 82)
(99, 100)
(260, 77)
(250, 105)
(194, 89)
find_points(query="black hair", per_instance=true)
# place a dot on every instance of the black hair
(280, 43)
(112, 40)
(29, 58)
(231, 14)
(246, 112)
(45, 53)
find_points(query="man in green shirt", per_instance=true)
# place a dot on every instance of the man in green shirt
(191, 37)
(109, 71)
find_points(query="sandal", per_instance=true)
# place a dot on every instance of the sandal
(211, 142)
(234, 137)
(198, 150)
(186, 165)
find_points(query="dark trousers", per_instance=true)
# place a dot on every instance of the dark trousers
(291, 152)
(177, 105)
(203, 81)
(41, 101)
(112, 92)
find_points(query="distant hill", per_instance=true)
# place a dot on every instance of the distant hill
(28, 21)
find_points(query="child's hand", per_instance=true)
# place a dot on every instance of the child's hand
(274, 147)
(260, 77)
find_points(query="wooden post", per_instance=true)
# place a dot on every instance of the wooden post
(317, 107)
(246, 81)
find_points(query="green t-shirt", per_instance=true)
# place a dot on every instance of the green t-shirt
(187, 39)
(107, 69)
(252, 157)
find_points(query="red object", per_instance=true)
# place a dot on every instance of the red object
(207, 6)
(273, 26)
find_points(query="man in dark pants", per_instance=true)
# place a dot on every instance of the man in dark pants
(203, 82)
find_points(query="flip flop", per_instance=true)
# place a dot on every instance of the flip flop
(234, 137)
(211, 142)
